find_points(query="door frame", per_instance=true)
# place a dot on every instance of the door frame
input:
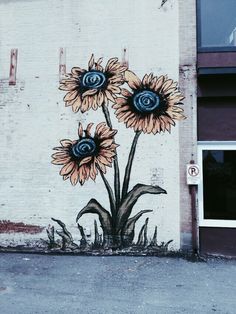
(211, 145)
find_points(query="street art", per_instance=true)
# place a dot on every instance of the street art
(147, 105)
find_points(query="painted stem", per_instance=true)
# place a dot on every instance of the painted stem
(110, 193)
(129, 165)
(107, 115)
(116, 166)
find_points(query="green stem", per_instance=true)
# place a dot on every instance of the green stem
(129, 165)
(110, 193)
(116, 166)
(107, 115)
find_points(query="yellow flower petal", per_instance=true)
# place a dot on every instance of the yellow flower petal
(125, 92)
(114, 89)
(110, 64)
(166, 85)
(66, 143)
(159, 83)
(77, 104)
(88, 129)
(106, 143)
(85, 160)
(74, 176)
(71, 95)
(132, 79)
(60, 161)
(77, 71)
(89, 92)
(67, 168)
(110, 96)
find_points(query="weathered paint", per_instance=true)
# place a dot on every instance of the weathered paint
(62, 63)
(13, 66)
(34, 118)
(7, 226)
(125, 59)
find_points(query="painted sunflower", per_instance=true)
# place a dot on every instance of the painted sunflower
(82, 158)
(93, 87)
(151, 106)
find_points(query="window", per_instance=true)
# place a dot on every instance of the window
(219, 184)
(217, 25)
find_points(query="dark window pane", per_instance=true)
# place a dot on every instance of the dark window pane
(219, 184)
(217, 23)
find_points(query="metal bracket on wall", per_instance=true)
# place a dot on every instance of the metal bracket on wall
(13, 66)
(62, 63)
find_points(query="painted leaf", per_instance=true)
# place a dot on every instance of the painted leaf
(142, 237)
(130, 200)
(128, 231)
(154, 238)
(93, 207)
(67, 240)
(64, 229)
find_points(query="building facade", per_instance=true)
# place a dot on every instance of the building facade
(44, 40)
(216, 60)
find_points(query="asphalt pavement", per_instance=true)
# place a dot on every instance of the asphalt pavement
(31, 283)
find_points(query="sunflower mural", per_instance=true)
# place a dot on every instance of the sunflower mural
(94, 87)
(151, 106)
(82, 158)
(148, 105)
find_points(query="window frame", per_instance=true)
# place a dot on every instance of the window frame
(199, 35)
(211, 145)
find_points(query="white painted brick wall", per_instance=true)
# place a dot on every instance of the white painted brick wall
(34, 119)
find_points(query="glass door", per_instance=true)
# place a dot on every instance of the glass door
(217, 191)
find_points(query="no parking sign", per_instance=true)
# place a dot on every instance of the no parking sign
(193, 174)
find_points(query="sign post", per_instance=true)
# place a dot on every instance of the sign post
(193, 179)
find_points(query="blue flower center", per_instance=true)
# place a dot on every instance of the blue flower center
(93, 79)
(84, 148)
(146, 101)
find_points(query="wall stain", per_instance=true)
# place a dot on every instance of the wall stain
(7, 226)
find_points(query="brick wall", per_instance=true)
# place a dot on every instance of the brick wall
(34, 119)
(188, 129)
